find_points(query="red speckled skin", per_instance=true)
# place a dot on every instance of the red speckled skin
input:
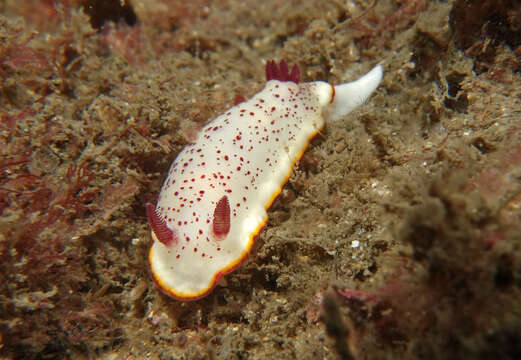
(244, 156)
(218, 189)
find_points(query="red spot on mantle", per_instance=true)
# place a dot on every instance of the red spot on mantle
(166, 236)
(221, 218)
(238, 99)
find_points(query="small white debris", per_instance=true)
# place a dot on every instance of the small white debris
(355, 243)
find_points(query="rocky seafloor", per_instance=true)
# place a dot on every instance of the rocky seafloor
(397, 236)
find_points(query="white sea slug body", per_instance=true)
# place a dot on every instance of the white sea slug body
(213, 202)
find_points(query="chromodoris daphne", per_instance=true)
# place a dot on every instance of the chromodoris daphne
(214, 200)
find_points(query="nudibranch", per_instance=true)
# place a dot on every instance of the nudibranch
(214, 200)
